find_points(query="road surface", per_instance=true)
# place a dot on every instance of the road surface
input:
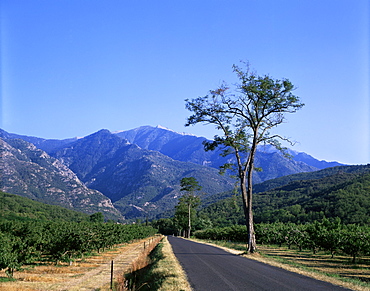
(211, 268)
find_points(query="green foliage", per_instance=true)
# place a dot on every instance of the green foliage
(342, 192)
(190, 185)
(356, 241)
(327, 234)
(15, 207)
(316, 175)
(185, 212)
(165, 226)
(23, 242)
(236, 233)
(8, 255)
(97, 217)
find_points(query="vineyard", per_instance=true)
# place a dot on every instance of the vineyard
(29, 242)
(329, 235)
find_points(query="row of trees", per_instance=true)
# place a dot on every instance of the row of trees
(328, 235)
(27, 242)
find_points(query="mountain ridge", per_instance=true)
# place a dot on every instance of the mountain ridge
(139, 170)
(135, 179)
(156, 138)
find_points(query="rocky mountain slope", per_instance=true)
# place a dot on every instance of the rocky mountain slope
(32, 173)
(140, 182)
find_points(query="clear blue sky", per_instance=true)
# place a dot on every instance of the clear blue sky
(72, 67)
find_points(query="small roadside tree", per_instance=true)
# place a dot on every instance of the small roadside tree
(245, 118)
(185, 210)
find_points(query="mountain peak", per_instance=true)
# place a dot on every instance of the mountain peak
(163, 127)
(148, 129)
(166, 128)
(101, 132)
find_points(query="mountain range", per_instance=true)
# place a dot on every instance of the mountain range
(128, 174)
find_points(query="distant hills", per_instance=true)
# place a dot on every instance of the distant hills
(126, 175)
(342, 192)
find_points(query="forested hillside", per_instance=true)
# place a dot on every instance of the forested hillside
(281, 181)
(342, 192)
(15, 207)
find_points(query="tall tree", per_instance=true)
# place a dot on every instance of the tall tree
(188, 202)
(245, 116)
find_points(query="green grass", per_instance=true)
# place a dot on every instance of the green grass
(7, 279)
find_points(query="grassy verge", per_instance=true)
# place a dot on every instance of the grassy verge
(338, 271)
(162, 272)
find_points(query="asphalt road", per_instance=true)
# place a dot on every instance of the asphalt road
(211, 268)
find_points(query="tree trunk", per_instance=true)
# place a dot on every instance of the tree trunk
(246, 179)
(251, 234)
(189, 221)
(252, 247)
(247, 207)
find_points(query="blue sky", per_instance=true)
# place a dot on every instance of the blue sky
(72, 67)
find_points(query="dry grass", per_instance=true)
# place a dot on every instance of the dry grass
(11, 288)
(162, 272)
(141, 262)
(175, 277)
(339, 270)
(81, 274)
